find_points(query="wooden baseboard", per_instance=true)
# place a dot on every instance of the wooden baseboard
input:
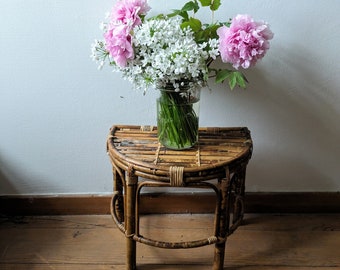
(256, 202)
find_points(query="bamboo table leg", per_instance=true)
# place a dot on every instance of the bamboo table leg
(130, 219)
(118, 187)
(223, 222)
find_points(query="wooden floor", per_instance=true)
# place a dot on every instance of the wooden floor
(284, 242)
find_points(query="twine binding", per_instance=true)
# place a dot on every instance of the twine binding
(198, 155)
(157, 153)
(176, 176)
(146, 128)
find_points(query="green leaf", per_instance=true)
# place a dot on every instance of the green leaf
(173, 14)
(178, 12)
(193, 23)
(232, 80)
(191, 6)
(203, 35)
(215, 4)
(205, 3)
(159, 16)
(234, 77)
(210, 31)
(222, 75)
(240, 79)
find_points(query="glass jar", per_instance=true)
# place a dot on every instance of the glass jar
(178, 116)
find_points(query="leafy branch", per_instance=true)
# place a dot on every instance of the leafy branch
(209, 30)
(204, 32)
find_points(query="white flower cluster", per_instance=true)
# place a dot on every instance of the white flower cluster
(165, 53)
(98, 53)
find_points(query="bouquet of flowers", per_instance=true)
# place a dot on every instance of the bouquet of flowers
(177, 50)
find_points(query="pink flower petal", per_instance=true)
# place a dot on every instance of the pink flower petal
(244, 42)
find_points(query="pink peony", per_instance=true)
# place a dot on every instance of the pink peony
(244, 42)
(119, 44)
(129, 11)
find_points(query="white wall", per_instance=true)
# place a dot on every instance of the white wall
(56, 108)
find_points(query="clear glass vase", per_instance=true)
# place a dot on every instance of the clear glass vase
(178, 116)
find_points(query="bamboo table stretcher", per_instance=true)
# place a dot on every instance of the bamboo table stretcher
(217, 162)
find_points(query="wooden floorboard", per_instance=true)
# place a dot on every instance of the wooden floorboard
(264, 241)
(149, 267)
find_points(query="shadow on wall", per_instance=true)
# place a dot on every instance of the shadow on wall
(6, 187)
(298, 106)
(15, 180)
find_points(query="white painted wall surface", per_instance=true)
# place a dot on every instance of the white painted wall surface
(56, 108)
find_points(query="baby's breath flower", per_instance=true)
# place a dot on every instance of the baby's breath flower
(165, 53)
(98, 53)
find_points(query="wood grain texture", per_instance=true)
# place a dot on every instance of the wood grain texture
(287, 242)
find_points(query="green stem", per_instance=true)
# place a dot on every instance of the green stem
(177, 120)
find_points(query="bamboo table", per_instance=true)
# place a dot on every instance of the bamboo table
(221, 154)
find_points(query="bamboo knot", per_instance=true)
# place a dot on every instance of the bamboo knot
(131, 170)
(131, 179)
